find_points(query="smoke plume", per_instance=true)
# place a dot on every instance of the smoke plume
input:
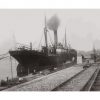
(53, 23)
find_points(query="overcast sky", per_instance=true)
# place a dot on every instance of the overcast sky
(82, 27)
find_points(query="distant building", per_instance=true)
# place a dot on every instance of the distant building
(79, 59)
(87, 59)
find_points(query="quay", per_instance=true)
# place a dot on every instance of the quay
(73, 78)
(48, 82)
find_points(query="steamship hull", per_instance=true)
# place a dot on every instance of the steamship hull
(30, 60)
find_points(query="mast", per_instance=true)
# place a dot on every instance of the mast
(14, 41)
(65, 39)
(94, 53)
(45, 33)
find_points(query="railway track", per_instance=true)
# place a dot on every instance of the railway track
(63, 86)
(75, 83)
(94, 83)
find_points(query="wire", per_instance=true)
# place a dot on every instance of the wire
(4, 57)
(4, 54)
(40, 41)
(63, 41)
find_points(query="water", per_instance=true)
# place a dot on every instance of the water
(5, 68)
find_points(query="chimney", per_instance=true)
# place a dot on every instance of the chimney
(55, 38)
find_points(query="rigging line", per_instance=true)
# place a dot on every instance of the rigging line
(4, 54)
(63, 41)
(4, 58)
(50, 39)
(40, 41)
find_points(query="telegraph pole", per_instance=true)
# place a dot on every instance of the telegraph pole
(11, 68)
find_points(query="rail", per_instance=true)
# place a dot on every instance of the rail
(91, 81)
(55, 89)
(78, 81)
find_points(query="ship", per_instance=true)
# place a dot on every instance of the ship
(32, 61)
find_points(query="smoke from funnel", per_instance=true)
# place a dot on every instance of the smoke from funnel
(53, 24)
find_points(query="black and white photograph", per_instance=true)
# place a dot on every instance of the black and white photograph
(49, 50)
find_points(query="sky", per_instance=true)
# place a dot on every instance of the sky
(26, 25)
